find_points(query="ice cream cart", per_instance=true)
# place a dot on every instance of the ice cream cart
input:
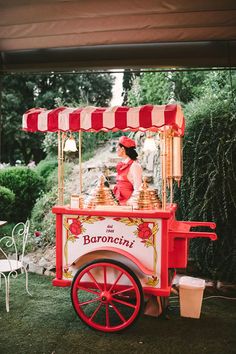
(114, 257)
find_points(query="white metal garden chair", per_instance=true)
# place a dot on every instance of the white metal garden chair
(13, 267)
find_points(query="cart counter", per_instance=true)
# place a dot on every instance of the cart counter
(149, 242)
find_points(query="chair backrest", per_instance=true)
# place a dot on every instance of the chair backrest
(10, 244)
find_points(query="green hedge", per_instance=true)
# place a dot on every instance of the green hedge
(46, 167)
(42, 219)
(26, 185)
(208, 188)
(7, 198)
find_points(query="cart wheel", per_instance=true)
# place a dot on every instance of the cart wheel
(107, 295)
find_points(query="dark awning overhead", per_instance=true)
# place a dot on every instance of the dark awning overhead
(67, 34)
(187, 54)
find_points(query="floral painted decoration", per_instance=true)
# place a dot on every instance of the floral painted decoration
(144, 231)
(75, 227)
(67, 273)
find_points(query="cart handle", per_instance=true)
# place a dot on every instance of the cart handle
(188, 235)
(185, 226)
(193, 234)
(210, 224)
(180, 230)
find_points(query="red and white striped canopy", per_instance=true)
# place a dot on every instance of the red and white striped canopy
(89, 119)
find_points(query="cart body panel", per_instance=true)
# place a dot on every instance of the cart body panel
(136, 238)
(151, 243)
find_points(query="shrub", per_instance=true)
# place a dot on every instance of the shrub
(42, 219)
(52, 180)
(6, 229)
(208, 188)
(50, 143)
(46, 167)
(26, 185)
(7, 198)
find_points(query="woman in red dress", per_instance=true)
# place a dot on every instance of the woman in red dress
(129, 171)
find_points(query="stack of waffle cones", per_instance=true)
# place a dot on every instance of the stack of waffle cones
(101, 195)
(145, 198)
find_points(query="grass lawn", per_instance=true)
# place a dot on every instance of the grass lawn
(47, 323)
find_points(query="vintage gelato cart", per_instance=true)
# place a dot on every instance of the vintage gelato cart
(117, 257)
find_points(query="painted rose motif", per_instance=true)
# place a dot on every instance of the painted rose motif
(75, 227)
(144, 231)
(67, 273)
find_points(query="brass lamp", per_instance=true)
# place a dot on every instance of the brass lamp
(149, 143)
(70, 145)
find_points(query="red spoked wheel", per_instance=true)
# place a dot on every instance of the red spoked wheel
(107, 295)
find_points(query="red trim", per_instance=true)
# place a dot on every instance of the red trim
(32, 121)
(53, 119)
(164, 255)
(121, 117)
(97, 119)
(74, 120)
(145, 116)
(122, 213)
(59, 246)
(170, 113)
(62, 283)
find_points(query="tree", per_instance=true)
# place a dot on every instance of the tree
(150, 87)
(23, 91)
(89, 88)
(17, 97)
(188, 85)
(160, 87)
(128, 78)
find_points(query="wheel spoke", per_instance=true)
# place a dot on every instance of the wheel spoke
(124, 303)
(107, 316)
(94, 280)
(95, 312)
(87, 289)
(118, 313)
(105, 277)
(117, 279)
(123, 291)
(89, 301)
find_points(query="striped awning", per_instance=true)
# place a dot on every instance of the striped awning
(90, 119)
